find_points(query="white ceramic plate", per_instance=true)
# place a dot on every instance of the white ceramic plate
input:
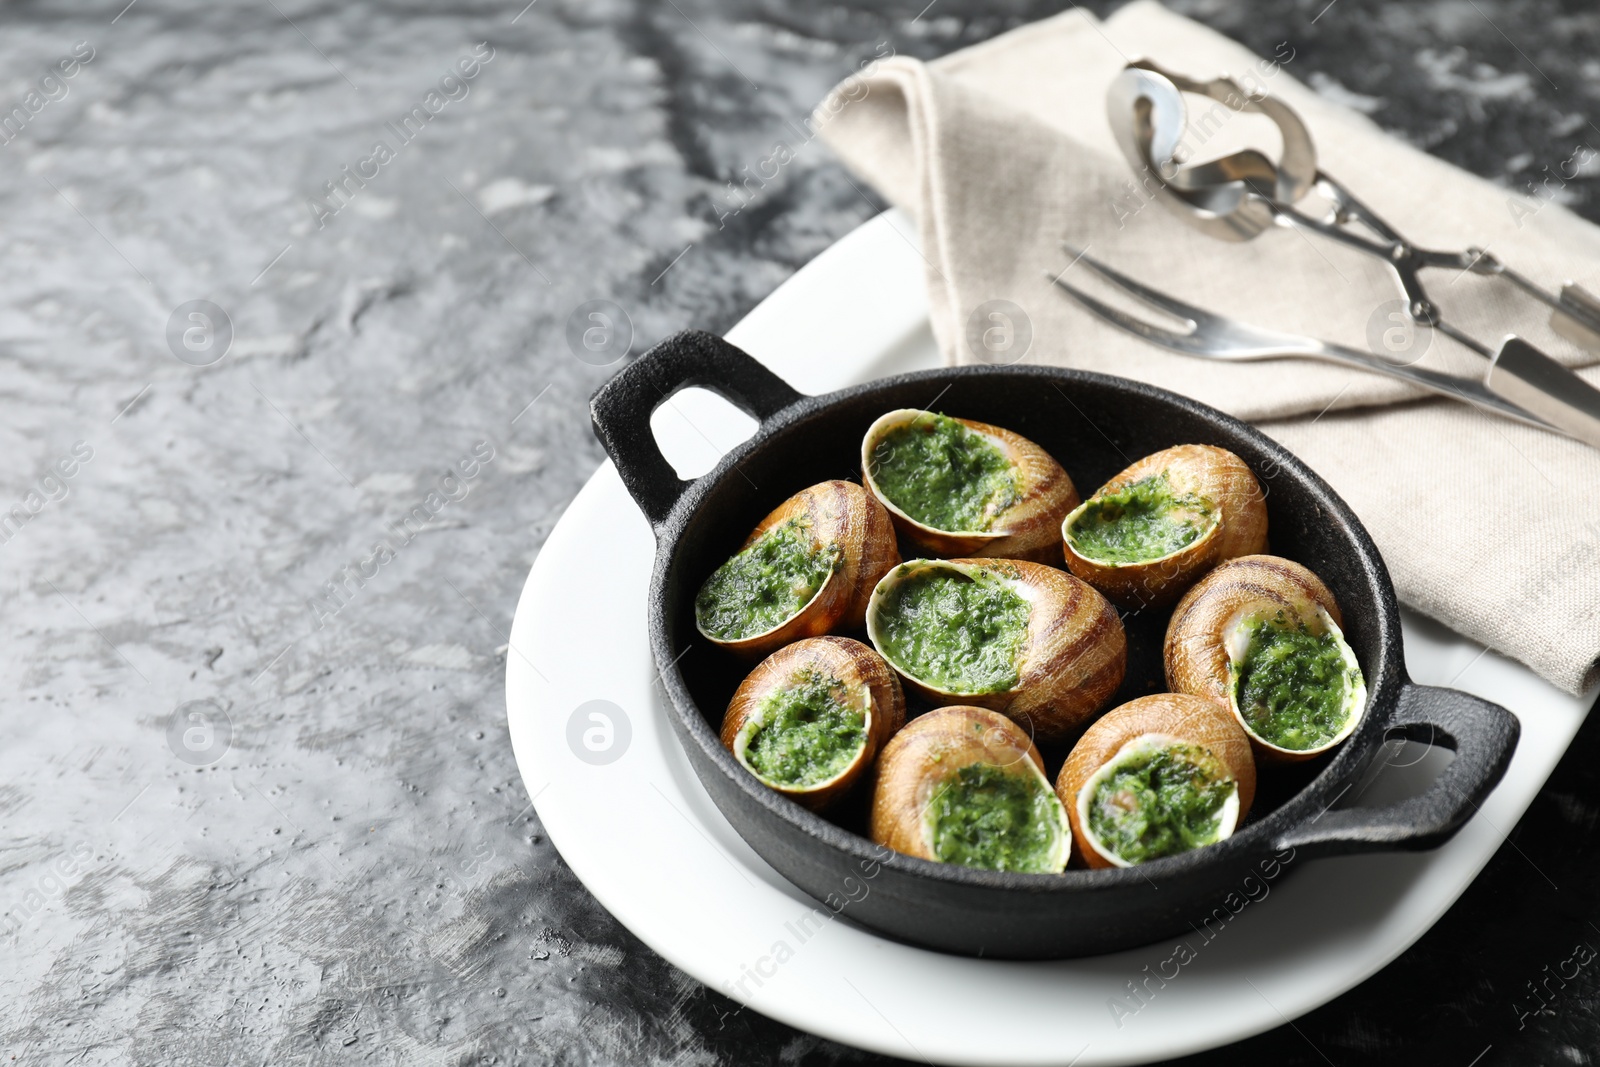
(645, 838)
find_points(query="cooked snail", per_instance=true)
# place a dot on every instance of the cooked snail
(961, 488)
(808, 568)
(1261, 635)
(1157, 776)
(964, 785)
(1020, 638)
(813, 716)
(1147, 534)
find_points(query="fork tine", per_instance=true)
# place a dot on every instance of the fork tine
(1154, 297)
(1159, 335)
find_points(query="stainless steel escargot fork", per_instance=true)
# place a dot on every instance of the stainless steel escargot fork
(1522, 383)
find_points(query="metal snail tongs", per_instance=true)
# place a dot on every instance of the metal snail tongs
(1238, 196)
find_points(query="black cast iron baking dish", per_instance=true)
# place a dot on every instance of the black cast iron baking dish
(1094, 425)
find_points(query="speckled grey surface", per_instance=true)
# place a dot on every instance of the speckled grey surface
(337, 863)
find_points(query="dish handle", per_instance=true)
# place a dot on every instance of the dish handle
(620, 409)
(1483, 737)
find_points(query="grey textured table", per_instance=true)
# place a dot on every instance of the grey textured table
(257, 802)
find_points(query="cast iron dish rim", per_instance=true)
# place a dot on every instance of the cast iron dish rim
(1386, 679)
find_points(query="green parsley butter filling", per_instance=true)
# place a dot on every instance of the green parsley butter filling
(1159, 800)
(806, 733)
(954, 631)
(766, 584)
(944, 475)
(1293, 683)
(1000, 819)
(1142, 521)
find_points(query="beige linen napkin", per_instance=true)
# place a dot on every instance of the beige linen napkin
(1003, 150)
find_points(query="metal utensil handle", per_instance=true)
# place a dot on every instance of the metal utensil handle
(1484, 737)
(1522, 383)
(621, 408)
(1539, 384)
(1463, 389)
(1218, 337)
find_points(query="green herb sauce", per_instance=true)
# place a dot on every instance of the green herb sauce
(766, 584)
(806, 733)
(1159, 802)
(1291, 684)
(997, 818)
(958, 633)
(944, 475)
(1143, 520)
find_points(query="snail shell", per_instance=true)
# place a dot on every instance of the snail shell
(1160, 719)
(835, 513)
(869, 686)
(1234, 513)
(1204, 635)
(1024, 528)
(932, 749)
(1071, 660)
